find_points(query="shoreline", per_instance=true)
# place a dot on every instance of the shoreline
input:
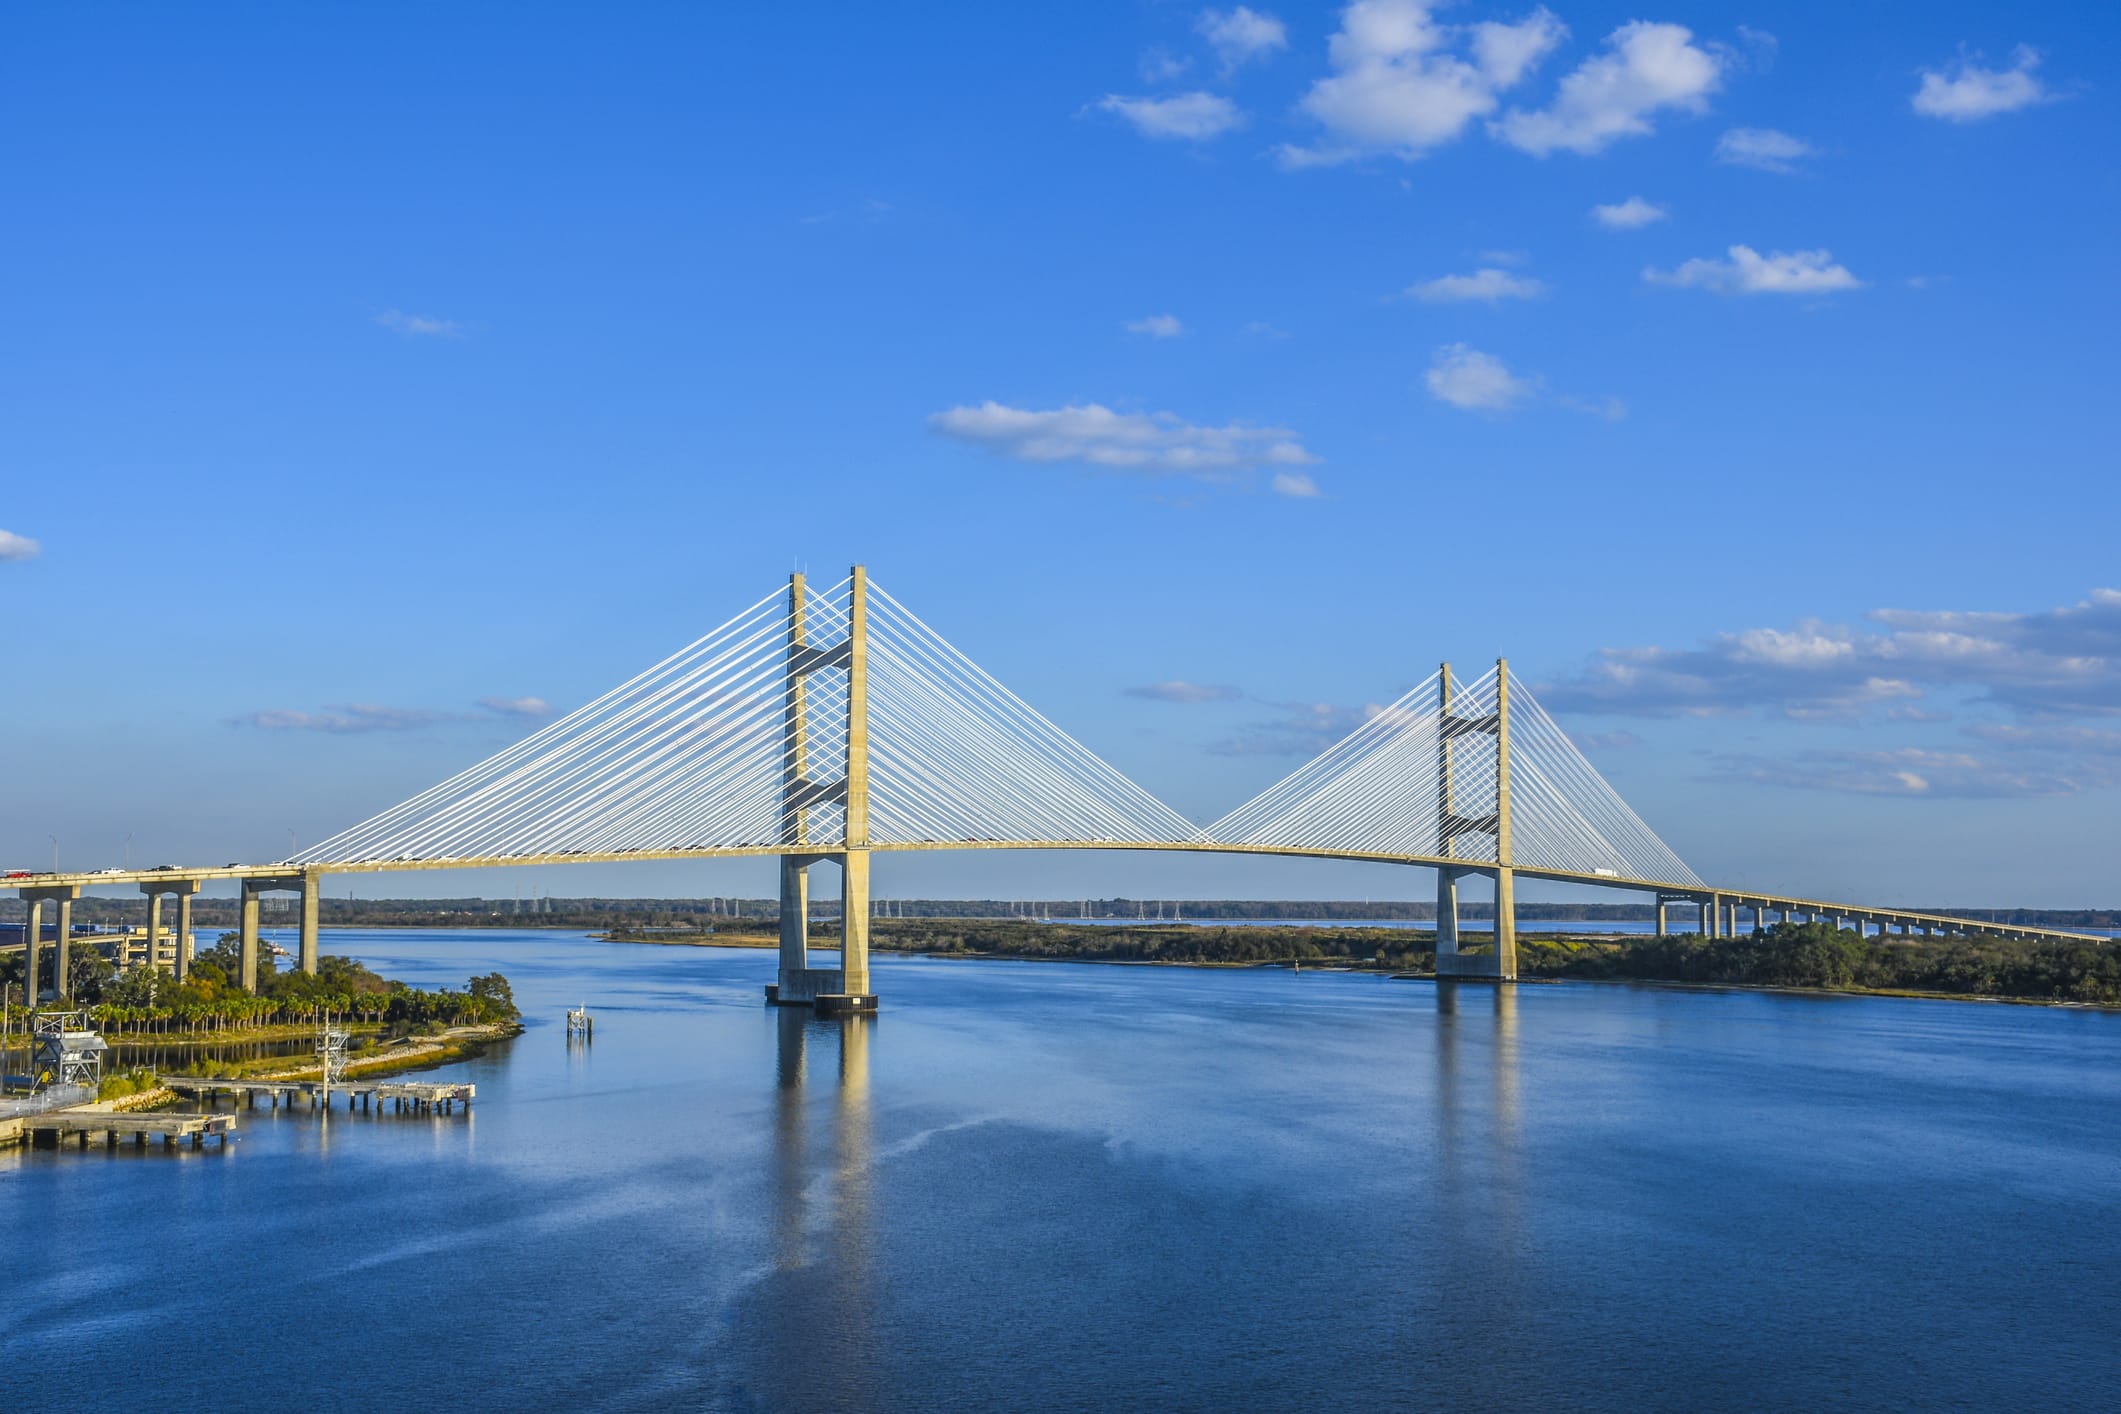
(1387, 974)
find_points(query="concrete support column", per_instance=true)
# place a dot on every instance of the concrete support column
(1506, 923)
(62, 957)
(249, 926)
(1663, 918)
(1505, 876)
(854, 922)
(310, 901)
(795, 916)
(183, 935)
(1446, 917)
(33, 945)
(154, 927)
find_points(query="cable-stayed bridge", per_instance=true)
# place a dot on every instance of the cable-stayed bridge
(832, 725)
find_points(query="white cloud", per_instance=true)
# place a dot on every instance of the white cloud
(2042, 668)
(1488, 284)
(1151, 443)
(1747, 272)
(1973, 93)
(1241, 35)
(1912, 771)
(1157, 326)
(354, 717)
(420, 325)
(1191, 117)
(1628, 215)
(1397, 86)
(1307, 729)
(18, 547)
(1646, 68)
(1466, 378)
(1185, 692)
(528, 707)
(1298, 485)
(2046, 664)
(1764, 148)
(1161, 66)
(1610, 408)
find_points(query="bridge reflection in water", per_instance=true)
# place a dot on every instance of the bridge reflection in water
(822, 1212)
(1479, 1180)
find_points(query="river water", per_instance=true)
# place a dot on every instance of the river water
(1053, 1186)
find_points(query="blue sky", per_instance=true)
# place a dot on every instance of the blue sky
(1748, 383)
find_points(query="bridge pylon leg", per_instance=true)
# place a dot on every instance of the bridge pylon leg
(248, 934)
(853, 994)
(1446, 919)
(311, 904)
(1499, 963)
(1506, 924)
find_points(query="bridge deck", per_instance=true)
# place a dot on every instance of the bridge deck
(1673, 889)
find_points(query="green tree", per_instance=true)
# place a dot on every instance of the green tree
(498, 997)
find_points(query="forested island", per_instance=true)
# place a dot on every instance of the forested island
(1802, 955)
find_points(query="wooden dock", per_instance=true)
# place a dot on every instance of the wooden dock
(409, 1096)
(113, 1127)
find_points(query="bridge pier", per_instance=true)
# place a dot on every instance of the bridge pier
(184, 890)
(1501, 963)
(846, 987)
(307, 884)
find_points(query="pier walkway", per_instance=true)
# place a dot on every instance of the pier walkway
(84, 1124)
(415, 1096)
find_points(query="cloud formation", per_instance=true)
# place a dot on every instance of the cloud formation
(1241, 35)
(2042, 666)
(1764, 149)
(528, 708)
(1185, 692)
(1404, 84)
(18, 547)
(1297, 485)
(1970, 93)
(2053, 675)
(1186, 117)
(1748, 272)
(420, 326)
(1909, 771)
(1645, 69)
(1487, 285)
(355, 717)
(1466, 378)
(1629, 215)
(1157, 326)
(1304, 729)
(1152, 443)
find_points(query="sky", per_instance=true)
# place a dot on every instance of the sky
(382, 380)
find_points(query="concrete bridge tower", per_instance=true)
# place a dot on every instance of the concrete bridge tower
(846, 987)
(1456, 830)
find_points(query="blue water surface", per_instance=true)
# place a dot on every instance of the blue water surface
(1052, 1186)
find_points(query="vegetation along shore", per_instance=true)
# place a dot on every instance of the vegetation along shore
(1788, 955)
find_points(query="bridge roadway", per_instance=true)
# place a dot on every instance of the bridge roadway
(1716, 910)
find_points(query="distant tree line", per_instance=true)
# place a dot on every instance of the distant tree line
(210, 911)
(1785, 955)
(1821, 955)
(150, 1000)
